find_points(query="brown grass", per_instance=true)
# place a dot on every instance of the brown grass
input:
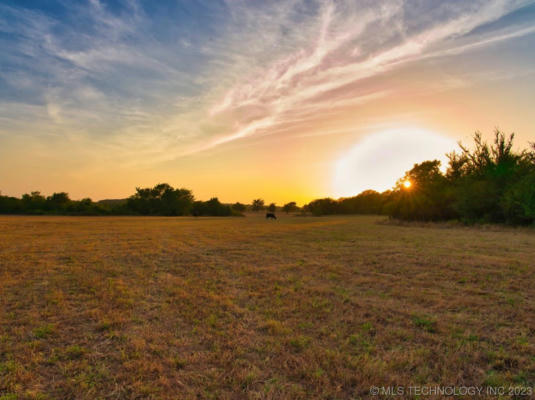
(232, 308)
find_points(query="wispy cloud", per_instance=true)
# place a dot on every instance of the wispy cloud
(155, 85)
(314, 79)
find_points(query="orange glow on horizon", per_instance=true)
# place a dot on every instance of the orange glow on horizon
(342, 107)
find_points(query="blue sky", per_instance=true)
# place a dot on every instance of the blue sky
(97, 97)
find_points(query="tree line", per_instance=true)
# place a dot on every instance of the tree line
(491, 183)
(162, 199)
(488, 183)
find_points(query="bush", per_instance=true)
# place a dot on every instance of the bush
(519, 201)
(212, 207)
(162, 199)
(323, 207)
(487, 184)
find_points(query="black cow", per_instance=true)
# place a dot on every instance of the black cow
(271, 215)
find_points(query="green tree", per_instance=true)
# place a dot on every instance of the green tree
(519, 201)
(34, 203)
(58, 202)
(239, 207)
(162, 199)
(366, 202)
(425, 197)
(483, 178)
(290, 207)
(257, 205)
(488, 183)
(212, 207)
(325, 206)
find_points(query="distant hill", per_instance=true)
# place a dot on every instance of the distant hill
(112, 202)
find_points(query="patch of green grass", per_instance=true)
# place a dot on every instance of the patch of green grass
(299, 343)
(367, 327)
(212, 320)
(425, 323)
(522, 340)
(43, 331)
(512, 301)
(522, 378)
(361, 343)
(472, 338)
(494, 379)
(74, 352)
(7, 367)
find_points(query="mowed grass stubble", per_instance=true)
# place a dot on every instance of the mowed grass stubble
(231, 308)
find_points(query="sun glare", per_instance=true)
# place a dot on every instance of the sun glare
(407, 184)
(379, 159)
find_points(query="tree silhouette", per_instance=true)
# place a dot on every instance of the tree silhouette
(290, 207)
(162, 199)
(239, 207)
(211, 207)
(257, 205)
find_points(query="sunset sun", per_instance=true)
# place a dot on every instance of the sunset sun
(376, 161)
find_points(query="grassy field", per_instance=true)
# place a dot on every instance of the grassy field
(233, 308)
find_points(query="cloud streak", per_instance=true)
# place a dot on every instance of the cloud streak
(308, 79)
(133, 81)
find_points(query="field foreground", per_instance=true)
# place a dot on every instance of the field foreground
(231, 308)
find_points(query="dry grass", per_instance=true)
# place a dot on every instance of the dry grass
(236, 308)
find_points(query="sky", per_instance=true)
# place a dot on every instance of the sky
(284, 100)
